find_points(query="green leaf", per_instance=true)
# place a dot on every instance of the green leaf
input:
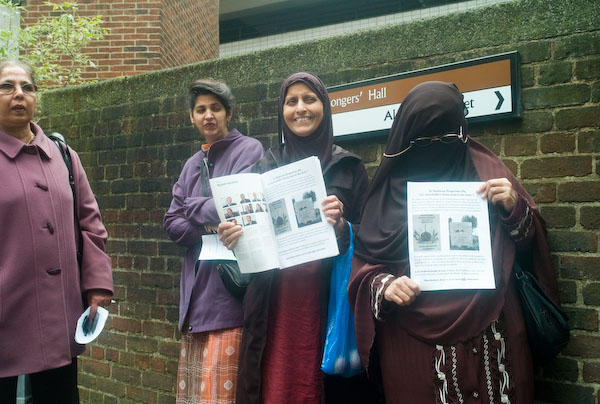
(53, 46)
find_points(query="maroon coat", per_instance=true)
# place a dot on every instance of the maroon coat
(40, 285)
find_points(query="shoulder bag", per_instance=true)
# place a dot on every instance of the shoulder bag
(546, 323)
(233, 279)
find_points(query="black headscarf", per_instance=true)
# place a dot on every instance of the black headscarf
(320, 142)
(429, 109)
(441, 317)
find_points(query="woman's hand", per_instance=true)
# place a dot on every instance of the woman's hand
(402, 291)
(499, 191)
(333, 209)
(95, 298)
(229, 234)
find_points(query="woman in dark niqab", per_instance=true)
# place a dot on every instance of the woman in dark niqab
(444, 346)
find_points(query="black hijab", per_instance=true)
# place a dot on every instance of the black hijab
(429, 109)
(320, 142)
(441, 317)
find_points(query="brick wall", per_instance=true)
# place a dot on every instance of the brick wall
(190, 31)
(144, 35)
(134, 136)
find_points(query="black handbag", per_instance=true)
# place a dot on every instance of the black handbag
(233, 279)
(546, 323)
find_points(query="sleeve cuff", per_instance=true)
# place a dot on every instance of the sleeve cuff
(343, 240)
(518, 222)
(512, 218)
(378, 287)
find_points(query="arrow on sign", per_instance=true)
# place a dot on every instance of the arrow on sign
(500, 100)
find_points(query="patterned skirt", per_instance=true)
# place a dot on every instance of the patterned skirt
(208, 366)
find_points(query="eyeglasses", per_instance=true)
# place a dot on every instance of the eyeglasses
(8, 88)
(426, 141)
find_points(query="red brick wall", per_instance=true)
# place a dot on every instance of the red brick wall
(144, 35)
(190, 31)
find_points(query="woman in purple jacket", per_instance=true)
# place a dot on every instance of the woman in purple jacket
(210, 318)
(41, 283)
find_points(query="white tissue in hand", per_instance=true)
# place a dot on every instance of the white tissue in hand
(80, 335)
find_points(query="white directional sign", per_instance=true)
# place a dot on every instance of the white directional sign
(489, 86)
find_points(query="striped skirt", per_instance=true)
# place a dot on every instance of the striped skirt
(208, 366)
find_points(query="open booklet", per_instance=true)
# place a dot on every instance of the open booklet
(280, 212)
(449, 236)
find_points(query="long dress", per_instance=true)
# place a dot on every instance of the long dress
(285, 312)
(458, 346)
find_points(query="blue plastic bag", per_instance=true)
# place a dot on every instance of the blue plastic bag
(340, 356)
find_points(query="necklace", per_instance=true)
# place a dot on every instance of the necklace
(30, 139)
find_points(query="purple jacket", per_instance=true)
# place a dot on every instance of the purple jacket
(40, 286)
(204, 303)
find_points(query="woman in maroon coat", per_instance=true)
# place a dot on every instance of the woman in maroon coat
(457, 346)
(40, 281)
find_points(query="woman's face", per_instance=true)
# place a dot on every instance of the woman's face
(16, 109)
(210, 117)
(302, 109)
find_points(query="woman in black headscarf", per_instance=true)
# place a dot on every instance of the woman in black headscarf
(444, 346)
(285, 312)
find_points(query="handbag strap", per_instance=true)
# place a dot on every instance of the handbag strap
(202, 178)
(61, 143)
(351, 242)
(519, 272)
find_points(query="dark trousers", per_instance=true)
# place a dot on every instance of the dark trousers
(53, 386)
(352, 390)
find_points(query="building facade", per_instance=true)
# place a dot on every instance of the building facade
(144, 36)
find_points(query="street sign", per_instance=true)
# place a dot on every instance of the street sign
(490, 87)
